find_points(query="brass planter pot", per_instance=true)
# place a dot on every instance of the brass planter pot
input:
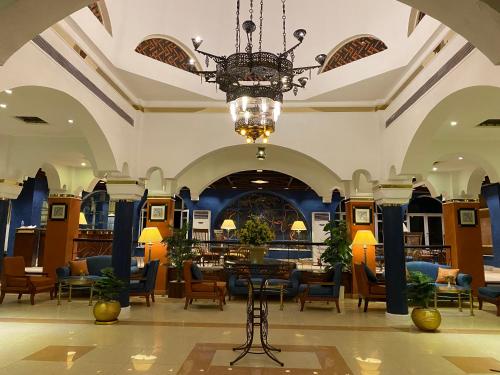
(427, 320)
(106, 312)
(257, 254)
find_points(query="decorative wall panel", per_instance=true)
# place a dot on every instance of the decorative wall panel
(355, 50)
(275, 211)
(165, 51)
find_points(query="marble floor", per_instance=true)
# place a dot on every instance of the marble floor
(165, 339)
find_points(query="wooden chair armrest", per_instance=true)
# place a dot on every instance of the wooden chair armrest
(37, 273)
(327, 283)
(17, 277)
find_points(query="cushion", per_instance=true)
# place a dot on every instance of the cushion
(78, 267)
(17, 282)
(490, 291)
(39, 282)
(202, 287)
(369, 274)
(13, 266)
(97, 263)
(320, 290)
(444, 273)
(196, 272)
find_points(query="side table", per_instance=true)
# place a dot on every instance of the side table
(79, 283)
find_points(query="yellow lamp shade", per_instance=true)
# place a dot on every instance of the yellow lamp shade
(83, 219)
(150, 235)
(228, 224)
(364, 237)
(298, 226)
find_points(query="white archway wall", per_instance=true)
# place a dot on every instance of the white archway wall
(340, 141)
(475, 70)
(111, 141)
(199, 175)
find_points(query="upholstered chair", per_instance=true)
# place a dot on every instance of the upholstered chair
(16, 281)
(322, 290)
(145, 287)
(369, 288)
(197, 288)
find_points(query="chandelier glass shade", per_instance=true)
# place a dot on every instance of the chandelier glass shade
(255, 81)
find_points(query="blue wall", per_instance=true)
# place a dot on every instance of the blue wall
(28, 206)
(491, 193)
(216, 201)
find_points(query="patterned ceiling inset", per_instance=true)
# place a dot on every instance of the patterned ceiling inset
(355, 50)
(94, 7)
(165, 51)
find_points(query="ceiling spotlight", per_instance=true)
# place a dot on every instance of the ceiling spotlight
(260, 188)
(260, 170)
(3, 105)
(259, 182)
(460, 158)
(234, 187)
(8, 92)
(453, 123)
(71, 122)
(83, 164)
(434, 169)
(261, 153)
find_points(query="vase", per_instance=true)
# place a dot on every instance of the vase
(106, 312)
(257, 254)
(427, 320)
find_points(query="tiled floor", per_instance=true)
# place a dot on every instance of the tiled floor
(165, 339)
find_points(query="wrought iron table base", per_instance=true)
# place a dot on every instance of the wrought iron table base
(253, 321)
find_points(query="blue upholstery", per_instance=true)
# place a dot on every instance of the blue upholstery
(239, 287)
(489, 291)
(431, 269)
(148, 283)
(196, 272)
(332, 291)
(95, 264)
(369, 274)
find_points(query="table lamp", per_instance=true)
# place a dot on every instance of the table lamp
(298, 226)
(365, 238)
(150, 236)
(82, 220)
(228, 225)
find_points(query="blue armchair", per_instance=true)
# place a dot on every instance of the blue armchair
(146, 286)
(431, 269)
(322, 290)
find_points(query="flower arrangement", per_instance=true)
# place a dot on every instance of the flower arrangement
(255, 232)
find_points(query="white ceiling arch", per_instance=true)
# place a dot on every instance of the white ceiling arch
(223, 162)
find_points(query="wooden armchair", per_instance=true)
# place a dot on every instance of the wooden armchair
(369, 290)
(16, 281)
(197, 288)
(145, 286)
(322, 290)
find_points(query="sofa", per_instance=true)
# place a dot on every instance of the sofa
(94, 265)
(431, 269)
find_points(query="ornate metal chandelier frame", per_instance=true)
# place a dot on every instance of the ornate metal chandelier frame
(247, 75)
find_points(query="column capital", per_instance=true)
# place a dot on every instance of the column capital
(125, 189)
(392, 193)
(10, 189)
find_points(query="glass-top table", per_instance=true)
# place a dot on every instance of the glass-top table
(77, 282)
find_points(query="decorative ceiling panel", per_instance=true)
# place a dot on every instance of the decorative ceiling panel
(94, 7)
(355, 50)
(165, 51)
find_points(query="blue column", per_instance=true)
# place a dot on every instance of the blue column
(491, 193)
(122, 245)
(4, 214)
(394, 255)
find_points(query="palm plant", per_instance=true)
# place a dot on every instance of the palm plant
(180, 248)
(420, 289)
(109, 286)
(337, 246)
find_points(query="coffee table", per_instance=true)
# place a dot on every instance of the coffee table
(79, 282)
(449, 292)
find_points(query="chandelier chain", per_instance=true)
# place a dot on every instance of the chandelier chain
(261, 19)
(238, 40)
(251, 19)
(284, 24)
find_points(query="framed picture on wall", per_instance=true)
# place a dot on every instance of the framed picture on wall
(467, 217)
(362, 216)
(157, 212)
(58, 211)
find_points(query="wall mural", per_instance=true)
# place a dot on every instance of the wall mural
(275, 211)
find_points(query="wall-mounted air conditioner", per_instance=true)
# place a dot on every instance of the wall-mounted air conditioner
(319, 220)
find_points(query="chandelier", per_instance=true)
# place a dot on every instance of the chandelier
(254, 82)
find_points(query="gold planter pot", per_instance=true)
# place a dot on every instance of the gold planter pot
(257, 254)
(426, 319)
(106, 312)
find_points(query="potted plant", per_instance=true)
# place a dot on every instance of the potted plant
(108, 288)
(420, 292)
(338, 251)
(180, 249)
(256, 234)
